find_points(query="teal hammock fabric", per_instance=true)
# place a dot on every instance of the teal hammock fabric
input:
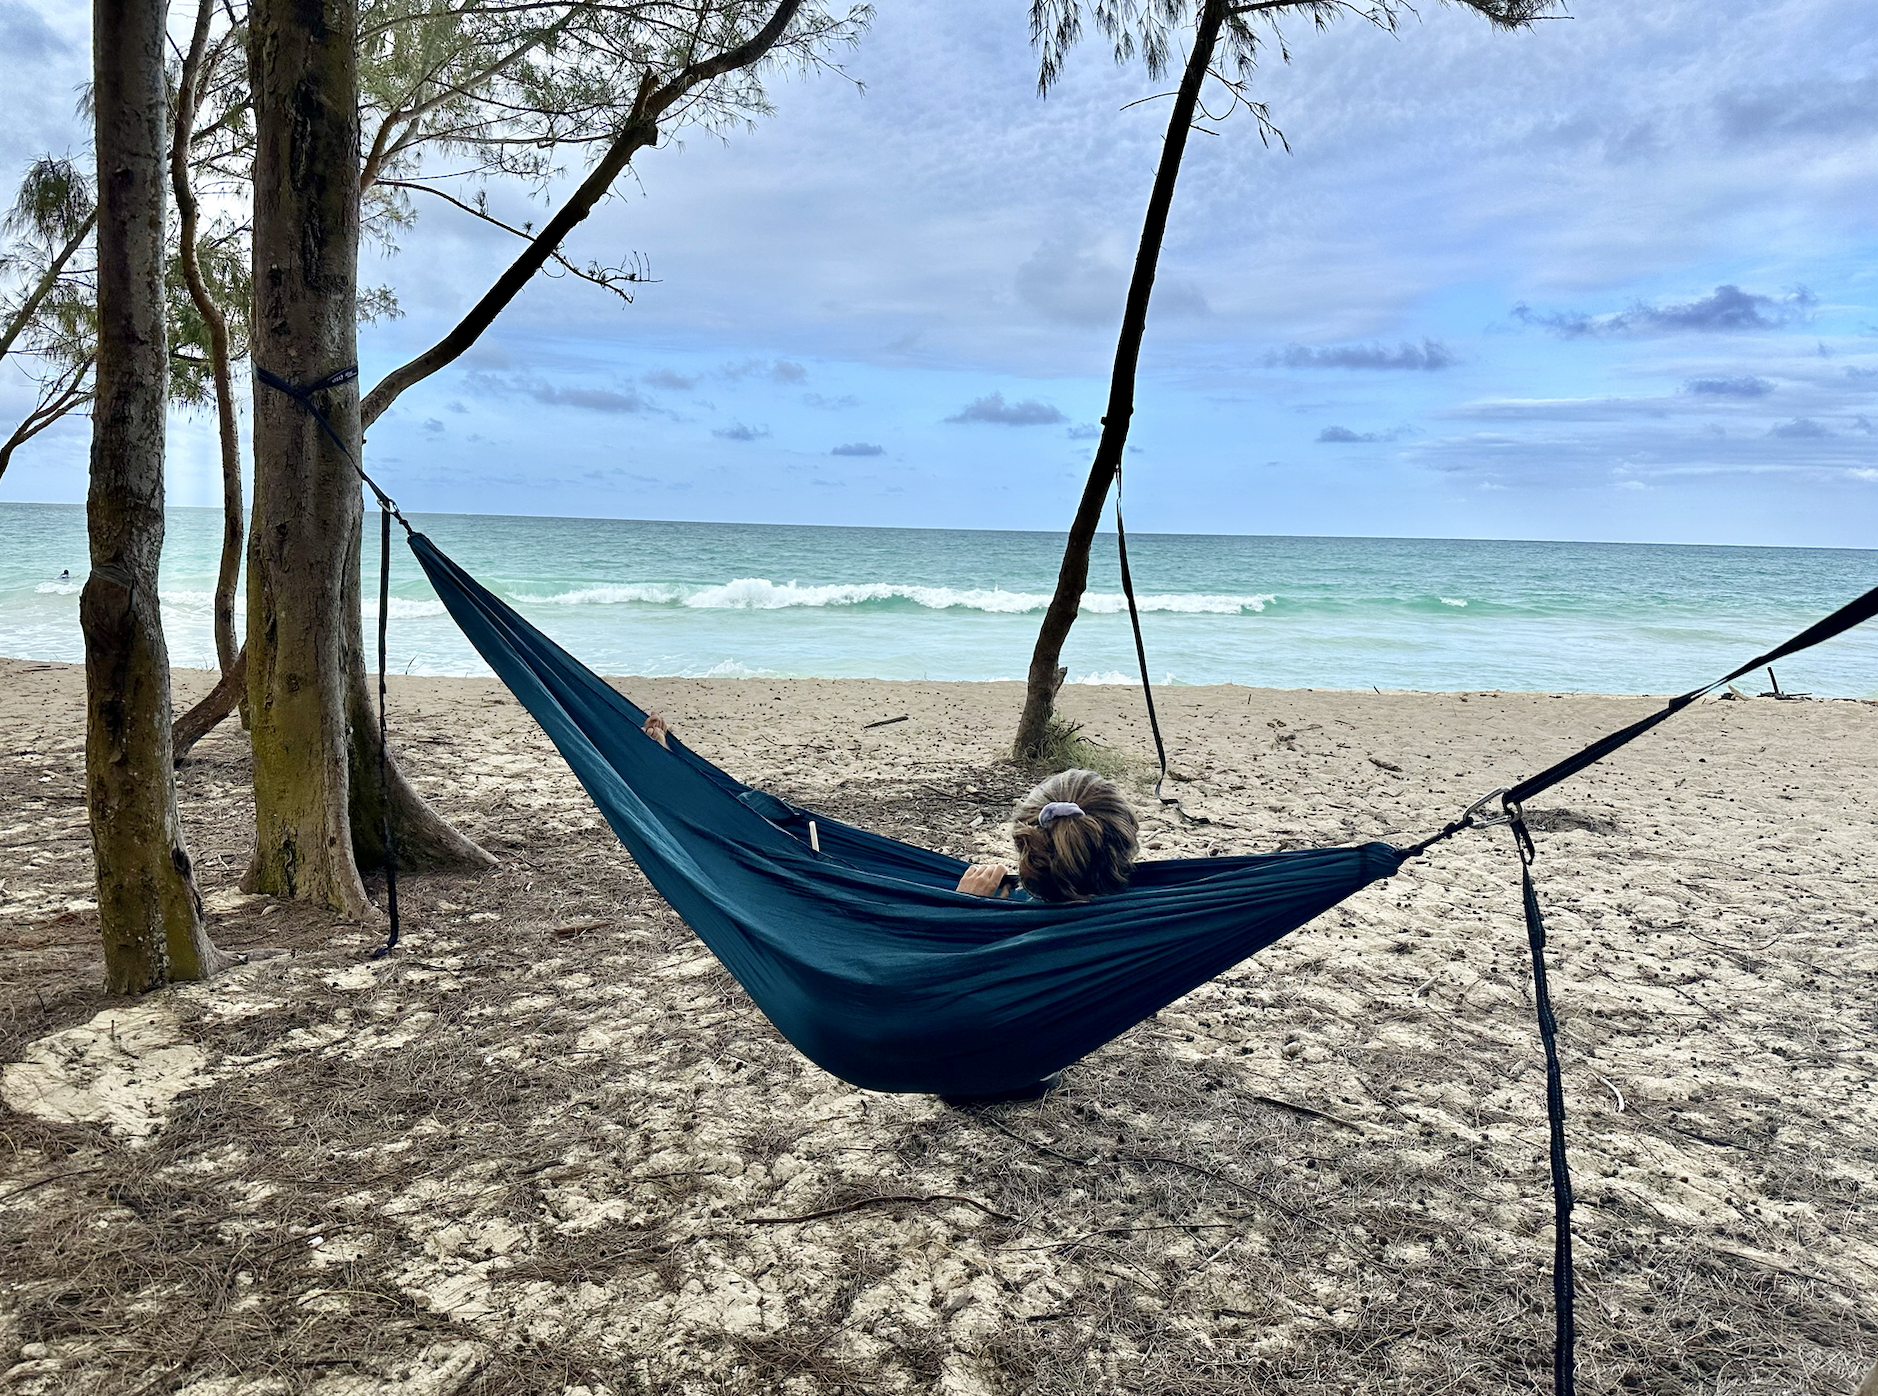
(862, 954)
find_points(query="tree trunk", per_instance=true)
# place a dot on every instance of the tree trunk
(188, 103)
(1045, 662)
(307, 696)
(147, 903)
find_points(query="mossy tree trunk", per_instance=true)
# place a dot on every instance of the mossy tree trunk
(313, 734)
(1046, 672)
(147, 903)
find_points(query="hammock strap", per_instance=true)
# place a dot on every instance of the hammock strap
(387, 511)
(1141, 649)
(1564, 1339)
(388, 835)
(1851, 614)
(304, 396)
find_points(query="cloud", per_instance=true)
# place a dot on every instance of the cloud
(1800, 429)
(831, 404)
(995, 410)
(1817, 107)
(1562, 409)
(1428, 356)
(1084, 431)
(859, 448)
(24, 35)
(740, 432)
(774, 370)
(1728, 387)
(625, 400)
(593, 399)
(432, 425)
(669, 378)
(1726, 310)
(1343, 435)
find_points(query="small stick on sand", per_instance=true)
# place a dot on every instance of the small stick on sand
(915, 1199)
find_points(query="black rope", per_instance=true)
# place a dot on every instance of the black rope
(1564, 1337)
(387, 511)
(390, 837)
(1141, 649)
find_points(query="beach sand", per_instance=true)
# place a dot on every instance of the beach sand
(549, 1146)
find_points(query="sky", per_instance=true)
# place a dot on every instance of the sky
(1610, 279)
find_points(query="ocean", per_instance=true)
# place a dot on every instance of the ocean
(754, 600)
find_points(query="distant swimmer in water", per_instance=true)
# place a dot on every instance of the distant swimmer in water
(66, 575)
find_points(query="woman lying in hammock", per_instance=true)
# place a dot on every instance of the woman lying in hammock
(1075, 838)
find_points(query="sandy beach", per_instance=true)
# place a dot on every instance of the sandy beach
(549, 1146)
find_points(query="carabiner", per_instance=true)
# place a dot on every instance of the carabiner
(1471, 817)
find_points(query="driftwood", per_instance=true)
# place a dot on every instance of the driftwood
(220, 701)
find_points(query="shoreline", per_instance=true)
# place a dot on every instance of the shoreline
(188, 679)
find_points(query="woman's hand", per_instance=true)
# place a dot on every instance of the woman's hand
(657, 728)
(985, 880)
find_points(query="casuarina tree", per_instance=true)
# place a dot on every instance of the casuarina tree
(1223, 47)
(147, 903)
(603, 80)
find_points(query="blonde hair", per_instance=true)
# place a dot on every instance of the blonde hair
(1071, 858)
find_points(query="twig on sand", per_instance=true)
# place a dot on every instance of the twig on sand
(887, 721)
(913, 1198)
(55, 1178)
(1003, 1128)
(1306, 1111)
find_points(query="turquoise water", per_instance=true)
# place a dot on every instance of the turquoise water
(640, 597)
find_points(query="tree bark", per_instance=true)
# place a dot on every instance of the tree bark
(147, 903)
(313, 736)
(188, 103)
(1045, 662)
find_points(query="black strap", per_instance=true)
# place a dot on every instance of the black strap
(303, 394)
(387, 511)
(1141, 649)
(1564, 1371)
(1840, 621)
(1564, 1337)
(390, 836)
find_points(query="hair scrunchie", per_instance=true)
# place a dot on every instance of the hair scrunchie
(1058, 809)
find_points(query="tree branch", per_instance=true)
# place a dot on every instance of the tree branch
(66, 394)
(606, 280)
(30, 306)
(640, 130)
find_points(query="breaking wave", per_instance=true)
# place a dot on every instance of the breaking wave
(761, 594)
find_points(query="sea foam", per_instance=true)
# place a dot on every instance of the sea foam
(762, 594)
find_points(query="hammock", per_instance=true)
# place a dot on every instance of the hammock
(862, 953)
(859, 949)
